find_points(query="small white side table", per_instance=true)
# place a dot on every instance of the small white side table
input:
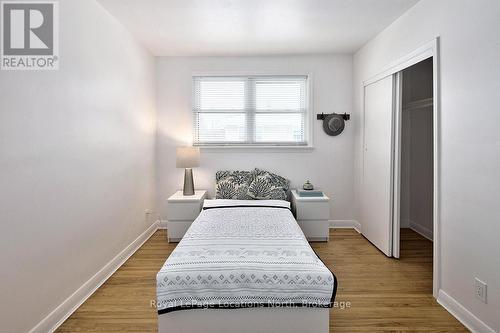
(313, 215)
(181, 212)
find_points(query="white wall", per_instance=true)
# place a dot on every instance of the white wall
(470, 140)
(76, 163)
(416, 171)
(421, 171)
(328, 166)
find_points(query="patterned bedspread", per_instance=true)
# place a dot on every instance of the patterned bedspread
(244, 253)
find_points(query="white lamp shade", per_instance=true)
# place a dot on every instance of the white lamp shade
(188, 157)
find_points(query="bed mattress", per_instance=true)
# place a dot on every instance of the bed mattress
(241, 253)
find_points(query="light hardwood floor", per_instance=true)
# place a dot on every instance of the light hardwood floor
(386, 295)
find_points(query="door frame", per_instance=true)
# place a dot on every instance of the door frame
(428, 50)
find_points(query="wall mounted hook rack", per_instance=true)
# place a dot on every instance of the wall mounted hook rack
(333, 123)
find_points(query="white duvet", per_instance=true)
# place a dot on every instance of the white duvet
(244, 253)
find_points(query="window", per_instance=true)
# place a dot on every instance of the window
(250, 110)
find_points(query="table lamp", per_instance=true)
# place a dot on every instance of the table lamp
(187, 158)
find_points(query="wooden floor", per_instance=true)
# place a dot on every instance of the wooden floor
(386, 295)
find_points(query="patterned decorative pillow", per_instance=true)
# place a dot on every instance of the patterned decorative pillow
(267, 186)
(232, 185)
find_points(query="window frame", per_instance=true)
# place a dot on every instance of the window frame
(308, 118)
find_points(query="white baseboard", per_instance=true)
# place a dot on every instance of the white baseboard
(349, 224)
(162, 224)
(427, 233)
(470, 321)
(66, 308)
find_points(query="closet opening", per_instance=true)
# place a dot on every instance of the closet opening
(399, 201)
(417, 160)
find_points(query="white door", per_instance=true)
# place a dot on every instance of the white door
(398, 109)
(377, 182)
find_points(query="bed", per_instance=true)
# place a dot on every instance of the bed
(244, 266)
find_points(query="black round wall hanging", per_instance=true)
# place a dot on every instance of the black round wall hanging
(334, 123)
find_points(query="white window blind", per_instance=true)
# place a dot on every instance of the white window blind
(250, 110)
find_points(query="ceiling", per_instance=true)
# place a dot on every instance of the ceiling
(254, 27)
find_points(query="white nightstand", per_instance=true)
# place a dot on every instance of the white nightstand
(313, 215)
(181, 212)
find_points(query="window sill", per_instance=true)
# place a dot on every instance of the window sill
(259, 149)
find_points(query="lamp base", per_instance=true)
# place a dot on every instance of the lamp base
(188, 182)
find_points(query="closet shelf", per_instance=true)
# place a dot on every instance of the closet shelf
(418, 104)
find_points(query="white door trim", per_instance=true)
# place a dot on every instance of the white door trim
(425, 51)
(428, 50)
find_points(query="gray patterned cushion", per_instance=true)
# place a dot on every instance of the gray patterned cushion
(267, 186)
(232, 184)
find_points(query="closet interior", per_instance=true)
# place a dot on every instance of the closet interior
(416, 180)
